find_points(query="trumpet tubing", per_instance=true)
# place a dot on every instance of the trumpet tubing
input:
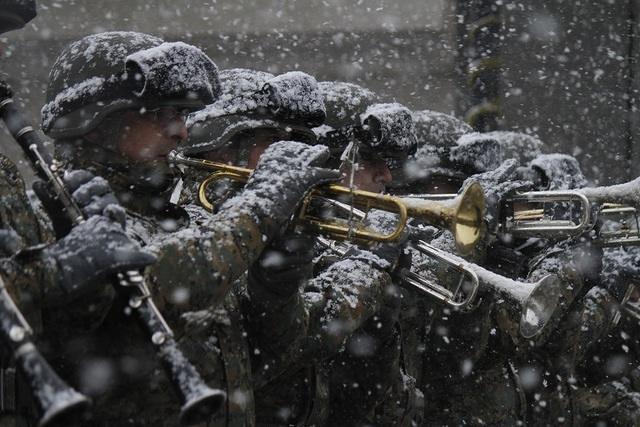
(463, 215)
(532, 222)
(535, 303)
(627, 193)
(612, 199)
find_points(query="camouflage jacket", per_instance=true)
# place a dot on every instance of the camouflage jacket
(290, 363)
(199, 257)
(26, 280)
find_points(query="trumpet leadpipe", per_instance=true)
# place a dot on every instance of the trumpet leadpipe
(627, 193)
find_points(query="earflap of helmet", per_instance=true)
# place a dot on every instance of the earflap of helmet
(175, 74)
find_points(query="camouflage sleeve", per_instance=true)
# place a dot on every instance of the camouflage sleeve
(331, 307)
(196, 266)
(25, 279)
(275, 321)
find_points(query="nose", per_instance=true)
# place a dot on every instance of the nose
(177, 130)
(384, 175)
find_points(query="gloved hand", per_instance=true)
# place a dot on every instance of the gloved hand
(92, 194)
(385, 256)
(284, 264)
(497, 184)
(286, 172)
(92, 250)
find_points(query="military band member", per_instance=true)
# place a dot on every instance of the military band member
(116, 104)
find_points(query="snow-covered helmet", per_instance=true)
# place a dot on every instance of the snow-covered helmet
(14, 14)
(356, 113)
(107, 72)
(253, 100)
(449, 148)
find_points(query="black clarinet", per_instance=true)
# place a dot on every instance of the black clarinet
(56, 403)
(199, 401)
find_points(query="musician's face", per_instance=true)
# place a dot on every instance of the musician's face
(372, 174)
(151, 135)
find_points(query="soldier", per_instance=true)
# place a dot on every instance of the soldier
(292, 333)
(478, 357)
(121, 125)
(368, 139)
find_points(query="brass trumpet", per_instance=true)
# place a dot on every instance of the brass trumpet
(462, 215)
(534, 304)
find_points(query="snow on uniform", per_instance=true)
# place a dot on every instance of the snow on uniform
(291, 333)
(462, 355)
(304, 331)
(20, 229)
(357, 118)
(196, 265)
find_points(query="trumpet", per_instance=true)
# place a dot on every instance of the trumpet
(533, 304)
(615, 200)
(629, 305)
(462, 215)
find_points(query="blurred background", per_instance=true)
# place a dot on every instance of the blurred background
(564, 70)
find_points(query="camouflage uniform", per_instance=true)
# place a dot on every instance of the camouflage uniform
(291, 333)
(198, 255)
(23, 282)
(487, 361)
(368, 383)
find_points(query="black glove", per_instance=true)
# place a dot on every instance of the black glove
(286, 172)
(498, 184)
(284, 264)
(92, 250)
(92, 194)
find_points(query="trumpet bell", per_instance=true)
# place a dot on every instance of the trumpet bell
(467, 223)
(462, 215)
(540, 305)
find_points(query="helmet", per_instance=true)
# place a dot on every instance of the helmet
(482, 152)
(253, 100)
(14, 14)
(354, 112)
(113, 71)
(387, 130)
(449, 148)
(345, 102)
